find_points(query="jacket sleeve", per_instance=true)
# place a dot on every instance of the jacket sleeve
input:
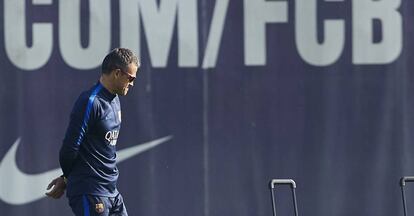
(82, 117)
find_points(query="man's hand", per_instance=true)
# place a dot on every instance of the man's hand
(58, 189)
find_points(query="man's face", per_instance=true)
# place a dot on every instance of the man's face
(126, 79)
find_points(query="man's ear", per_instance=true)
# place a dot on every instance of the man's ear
(116, 73)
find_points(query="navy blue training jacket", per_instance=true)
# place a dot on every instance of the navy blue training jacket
(88, 153)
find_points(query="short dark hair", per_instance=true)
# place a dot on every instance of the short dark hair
(119, 58)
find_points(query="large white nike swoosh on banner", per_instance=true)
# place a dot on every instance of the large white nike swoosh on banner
(18, 188)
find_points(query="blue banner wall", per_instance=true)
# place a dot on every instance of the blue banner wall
(230, 94)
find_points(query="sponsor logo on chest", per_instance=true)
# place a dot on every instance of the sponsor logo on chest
(112, 137)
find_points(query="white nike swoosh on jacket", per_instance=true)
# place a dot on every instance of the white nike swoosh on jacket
(18, 188)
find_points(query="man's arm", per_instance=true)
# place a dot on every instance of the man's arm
(84, 111)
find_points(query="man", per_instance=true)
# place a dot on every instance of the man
(88, 155)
